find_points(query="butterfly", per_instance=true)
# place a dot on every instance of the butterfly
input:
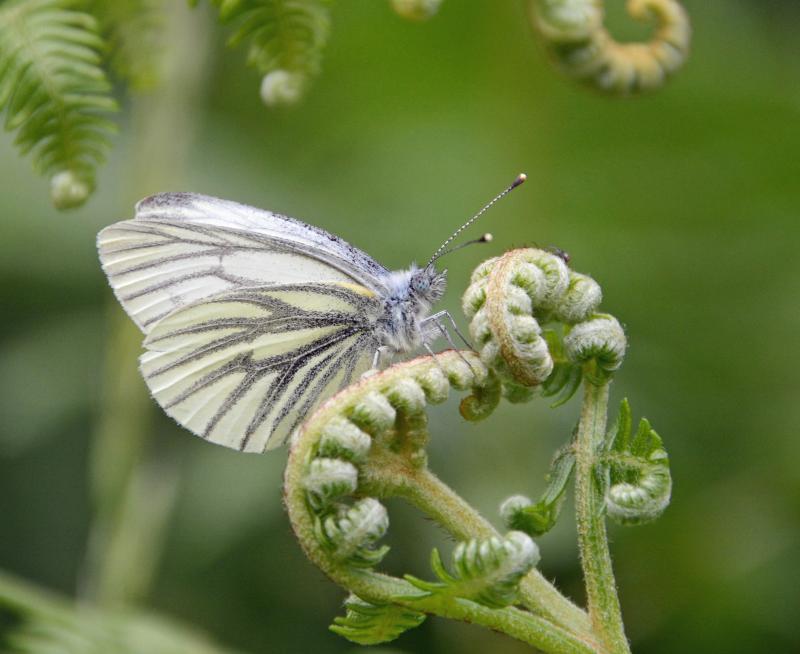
(251, 318)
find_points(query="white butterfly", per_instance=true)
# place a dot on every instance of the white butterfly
(252, 318)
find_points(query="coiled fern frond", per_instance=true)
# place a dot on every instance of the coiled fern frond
(486, 571)
(286, 39)
(54, 93)
(373, 624)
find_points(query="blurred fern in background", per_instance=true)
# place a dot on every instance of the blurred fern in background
(54, 92)
(36, 622)
(285, 39)
(56, 57)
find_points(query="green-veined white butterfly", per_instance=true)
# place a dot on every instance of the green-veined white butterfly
(251, 318)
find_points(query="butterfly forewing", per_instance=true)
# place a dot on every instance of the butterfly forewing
(244, 366)
(183, 247)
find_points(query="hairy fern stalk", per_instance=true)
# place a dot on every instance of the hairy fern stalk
(54, 93)
(539, 334)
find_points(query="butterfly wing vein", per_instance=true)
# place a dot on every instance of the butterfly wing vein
(183, 247)
(250, 317)
(244, 367)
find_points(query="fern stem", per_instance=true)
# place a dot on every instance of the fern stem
(432, 496)
(601, 590)
(380, 588)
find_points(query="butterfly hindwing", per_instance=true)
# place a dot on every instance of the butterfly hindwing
(183, 247)
(243, 367)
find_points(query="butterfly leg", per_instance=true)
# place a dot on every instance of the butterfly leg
(378, 358)
(430, 351)
(436, 319)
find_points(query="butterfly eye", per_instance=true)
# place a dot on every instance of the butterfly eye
(420, 284)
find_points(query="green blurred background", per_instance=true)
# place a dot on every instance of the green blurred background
(683, 205)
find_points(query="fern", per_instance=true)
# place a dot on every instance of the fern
(565, 380)
(286, 39)
(371, 624)
(54, 93)
(132, 29)
(536, 519)
(634, 472)
(485, 571)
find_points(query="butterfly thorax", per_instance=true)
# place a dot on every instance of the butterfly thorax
(410, 295)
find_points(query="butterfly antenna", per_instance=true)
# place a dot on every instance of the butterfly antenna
(486, 238)
(441, 251)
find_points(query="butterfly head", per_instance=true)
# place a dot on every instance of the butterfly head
(428, 284)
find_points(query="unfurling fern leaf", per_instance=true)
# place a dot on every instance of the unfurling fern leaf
(634, 472)
(286, 39)
(371, 624)
(54, 92)
(538, 518)
(485, 571)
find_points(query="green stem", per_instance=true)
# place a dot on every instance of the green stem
(601, 590)
(380, 588)
(133, 489)
(433, 497)
(120, 560)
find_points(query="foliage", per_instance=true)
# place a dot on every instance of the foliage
(371, 624)
(634, 471)
(54, 93)
(285, 38)
(583, 48)
(33, 621)
(540, 517)
(132, 30)
(484, 571)
(377, 430)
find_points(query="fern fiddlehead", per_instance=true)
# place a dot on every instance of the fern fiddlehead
(486, 571)
(373, 624)
(637, 483)
(368, 443)
(537, 518)
(537, 329)
(416, 9)
(581, 46)
(54, 93)
(536, 325)
(577, 40)
(516, 305)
